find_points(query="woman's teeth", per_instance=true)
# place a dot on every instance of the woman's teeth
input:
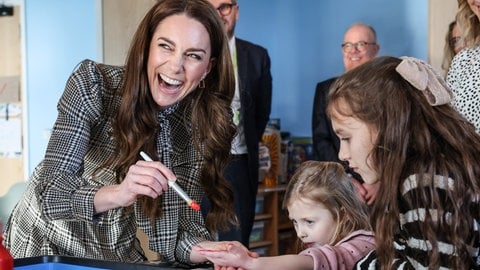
(169, 80)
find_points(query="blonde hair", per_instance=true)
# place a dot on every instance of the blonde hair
(468, 23)
(328, 183)
(449, 49)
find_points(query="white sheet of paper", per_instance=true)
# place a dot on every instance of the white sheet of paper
(10, 137)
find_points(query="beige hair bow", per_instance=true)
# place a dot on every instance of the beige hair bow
(426, 79)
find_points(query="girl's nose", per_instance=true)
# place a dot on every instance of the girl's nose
(301, 234)
(342, 154)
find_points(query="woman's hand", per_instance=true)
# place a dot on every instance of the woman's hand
(149, 178)
(368, 192)
(226, 255)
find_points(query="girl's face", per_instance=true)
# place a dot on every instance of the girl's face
(314, 224)
(356, 142)
(475, 7)
(179, 58)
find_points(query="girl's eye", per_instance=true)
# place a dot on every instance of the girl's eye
(345, 139)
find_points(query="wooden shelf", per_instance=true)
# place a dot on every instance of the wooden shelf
(263, 217)
(274, 221)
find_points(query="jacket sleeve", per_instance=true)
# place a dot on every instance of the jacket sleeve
(65, 194)
(343, 255)
(264, 102)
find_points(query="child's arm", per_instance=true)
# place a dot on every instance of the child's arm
(236, 255)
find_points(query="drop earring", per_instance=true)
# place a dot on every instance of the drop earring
(201, 84)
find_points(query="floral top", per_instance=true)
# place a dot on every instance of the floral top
(463, 78)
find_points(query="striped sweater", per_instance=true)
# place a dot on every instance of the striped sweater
(411, 249)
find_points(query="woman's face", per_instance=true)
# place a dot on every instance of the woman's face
(458, 44)
(356, 142)
(179, 58)
(475, 7)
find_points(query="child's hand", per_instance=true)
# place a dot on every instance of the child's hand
(227, 255)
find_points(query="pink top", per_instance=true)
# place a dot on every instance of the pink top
(345, 254)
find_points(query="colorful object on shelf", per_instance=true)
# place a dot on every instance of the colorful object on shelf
(271, 139)
(257, 233)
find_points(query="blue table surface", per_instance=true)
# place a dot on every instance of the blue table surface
(72, 263)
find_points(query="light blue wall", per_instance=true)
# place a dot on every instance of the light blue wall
(303, 38)
(59, 34)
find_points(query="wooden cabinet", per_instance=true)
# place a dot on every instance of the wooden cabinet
(272, 232)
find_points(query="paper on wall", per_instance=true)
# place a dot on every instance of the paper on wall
(9, 89)
(10, 130)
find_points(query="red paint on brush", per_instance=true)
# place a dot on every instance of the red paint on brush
(195, 206)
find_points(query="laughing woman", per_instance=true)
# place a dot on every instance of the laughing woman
(172, 99)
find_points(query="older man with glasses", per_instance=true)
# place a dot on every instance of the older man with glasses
(359, 46)
(251, 112)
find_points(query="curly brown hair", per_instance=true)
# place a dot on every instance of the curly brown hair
(135, 127)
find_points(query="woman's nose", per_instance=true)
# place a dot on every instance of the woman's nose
(176, 62)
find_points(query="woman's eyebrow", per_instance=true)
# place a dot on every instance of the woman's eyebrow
(193, 49)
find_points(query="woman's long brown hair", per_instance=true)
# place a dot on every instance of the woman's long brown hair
(136, 127)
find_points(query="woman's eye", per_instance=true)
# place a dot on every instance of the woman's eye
(194, 56)
(164, 46)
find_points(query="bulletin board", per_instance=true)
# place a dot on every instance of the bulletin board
(11, 117)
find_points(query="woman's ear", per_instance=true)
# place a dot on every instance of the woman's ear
(211, 64)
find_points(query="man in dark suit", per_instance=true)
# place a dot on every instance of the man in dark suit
(251, 107)
(359, 46)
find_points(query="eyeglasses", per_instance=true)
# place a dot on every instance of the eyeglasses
(226, 9)
(455, 41)
(360, 46)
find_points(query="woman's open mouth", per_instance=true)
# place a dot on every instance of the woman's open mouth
(168, 83)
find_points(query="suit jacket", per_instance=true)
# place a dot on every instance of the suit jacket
(255, 84)
(325, 142)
